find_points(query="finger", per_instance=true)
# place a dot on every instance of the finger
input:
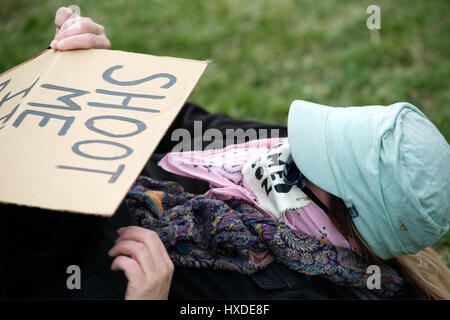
(136, 250)
(148, 237)
(82, 41)
(62, 14)
(68, 23)
(58, 30)
(152, 241)
(129, 266)
(80, 26)
(141, 235)
(137, 234)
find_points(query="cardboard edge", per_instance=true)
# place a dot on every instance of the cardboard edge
(25, 62)
(57, 210)
(57, 51)
(157, 56)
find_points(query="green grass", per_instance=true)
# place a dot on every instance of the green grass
(268, 53)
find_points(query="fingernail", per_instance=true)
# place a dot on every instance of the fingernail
(53, 44)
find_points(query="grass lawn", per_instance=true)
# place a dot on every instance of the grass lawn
(267, 53)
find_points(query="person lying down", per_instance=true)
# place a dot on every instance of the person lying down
(348, 190)
(324, 201)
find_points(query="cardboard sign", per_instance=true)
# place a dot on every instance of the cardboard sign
(77, 127)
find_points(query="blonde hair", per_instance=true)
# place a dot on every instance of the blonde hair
(427, 273)
(424, 272)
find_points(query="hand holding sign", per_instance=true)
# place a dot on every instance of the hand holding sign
(76, 32)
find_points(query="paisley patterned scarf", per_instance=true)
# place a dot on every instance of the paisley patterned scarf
(200, 232)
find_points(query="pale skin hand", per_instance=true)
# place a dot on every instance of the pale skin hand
(141, 255)
(75, 32)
